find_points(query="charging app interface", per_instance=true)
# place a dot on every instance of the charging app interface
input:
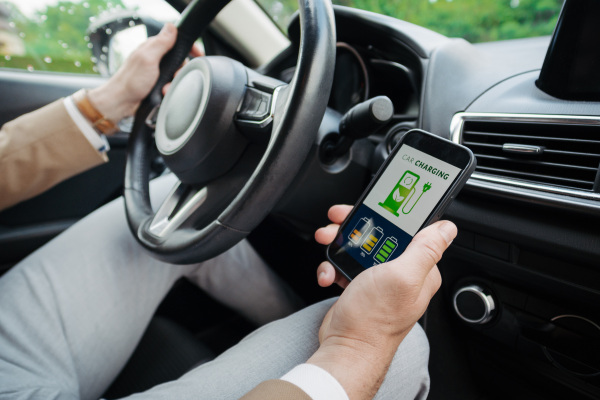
(397, 206)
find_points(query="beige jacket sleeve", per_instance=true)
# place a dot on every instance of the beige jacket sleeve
(39, 150)
(276, 390)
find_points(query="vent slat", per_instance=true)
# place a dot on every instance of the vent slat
(531, 137)
(536, 163)
(571, 155)
(548, 151)
(567, 181)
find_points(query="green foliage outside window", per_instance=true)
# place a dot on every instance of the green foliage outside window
(55, 38)
(474, 20)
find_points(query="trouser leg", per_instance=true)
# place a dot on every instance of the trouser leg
(72, 313)
(408, 376)
(241, 280)
(274, 349)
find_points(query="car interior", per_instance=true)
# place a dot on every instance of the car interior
(518, 313)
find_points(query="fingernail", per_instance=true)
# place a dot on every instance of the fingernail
(448, 231)
(321, 275)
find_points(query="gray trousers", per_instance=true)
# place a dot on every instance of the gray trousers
(72, 313)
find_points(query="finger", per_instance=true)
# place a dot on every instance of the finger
(196, 51)
(425, 250)
(327, 275)
(327, 234)
(338, 213)
(166, 88)
(159, 45)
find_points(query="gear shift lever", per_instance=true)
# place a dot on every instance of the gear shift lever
(359, 122)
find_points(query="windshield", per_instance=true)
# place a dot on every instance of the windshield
(473, 20)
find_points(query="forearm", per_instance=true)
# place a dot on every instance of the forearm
(40, 149)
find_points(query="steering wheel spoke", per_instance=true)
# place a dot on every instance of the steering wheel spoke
(176, 209)
(151, 118)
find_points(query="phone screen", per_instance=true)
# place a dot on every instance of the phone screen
(396, 207)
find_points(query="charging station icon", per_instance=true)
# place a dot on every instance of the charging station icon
(402, 193)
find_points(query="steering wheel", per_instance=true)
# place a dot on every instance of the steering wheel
(234, 138)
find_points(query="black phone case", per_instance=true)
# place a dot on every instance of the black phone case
(439, 209)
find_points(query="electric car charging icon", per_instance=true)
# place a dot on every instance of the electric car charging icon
(402, 193)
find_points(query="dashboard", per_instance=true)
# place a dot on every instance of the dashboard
(360, 74)
(519, 307)
(518, 314)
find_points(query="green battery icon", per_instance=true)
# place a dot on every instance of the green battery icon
(372, 238)
(386, 250)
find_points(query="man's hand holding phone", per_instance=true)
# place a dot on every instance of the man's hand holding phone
(363, 329)
(389, 245)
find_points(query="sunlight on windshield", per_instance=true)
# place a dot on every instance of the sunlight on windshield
(474, 20)
(51, 35)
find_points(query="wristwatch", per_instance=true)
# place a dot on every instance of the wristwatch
(100, 123)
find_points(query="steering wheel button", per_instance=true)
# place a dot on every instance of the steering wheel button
(263, 109)
(255, 106)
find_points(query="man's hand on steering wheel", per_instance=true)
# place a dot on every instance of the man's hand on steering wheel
(121, 95)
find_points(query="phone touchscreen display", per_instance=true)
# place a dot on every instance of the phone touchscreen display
(396, 207)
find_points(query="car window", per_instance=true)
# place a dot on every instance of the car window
(474, 20)
(50, 35)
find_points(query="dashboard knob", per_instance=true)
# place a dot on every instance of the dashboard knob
(474, 304)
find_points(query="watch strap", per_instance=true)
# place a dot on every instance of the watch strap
(97, 120)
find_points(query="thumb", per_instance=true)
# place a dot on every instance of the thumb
(160, 44)
(426, 249)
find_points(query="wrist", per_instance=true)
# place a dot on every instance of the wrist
(359, 367)
(111, 102)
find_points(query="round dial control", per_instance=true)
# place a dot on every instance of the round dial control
(474, 305)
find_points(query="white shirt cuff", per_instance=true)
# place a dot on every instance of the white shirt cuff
(98, 141)
(316, 382)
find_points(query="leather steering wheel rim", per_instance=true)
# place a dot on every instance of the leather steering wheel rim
(301, 110)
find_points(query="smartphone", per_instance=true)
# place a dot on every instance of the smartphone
(412, 189)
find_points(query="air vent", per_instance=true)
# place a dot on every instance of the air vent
(557, 153)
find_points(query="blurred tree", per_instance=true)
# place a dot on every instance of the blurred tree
(55, 37)
(474, 20)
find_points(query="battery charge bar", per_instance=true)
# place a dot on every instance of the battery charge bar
(359, 230)
(372, 239)
(387, 249)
